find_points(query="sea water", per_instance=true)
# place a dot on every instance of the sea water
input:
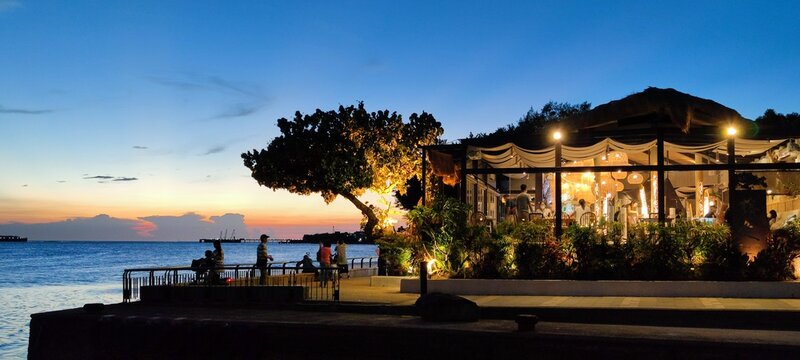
(41, 276)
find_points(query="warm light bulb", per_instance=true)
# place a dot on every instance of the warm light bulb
(557, 135)
(731, 131)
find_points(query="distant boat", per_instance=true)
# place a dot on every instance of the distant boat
(12, 238)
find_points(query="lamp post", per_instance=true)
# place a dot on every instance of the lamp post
(731, 132)
(557, 179)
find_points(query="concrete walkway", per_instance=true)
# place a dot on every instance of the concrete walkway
(358, 290)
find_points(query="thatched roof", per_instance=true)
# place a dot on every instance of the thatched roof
(684, 111)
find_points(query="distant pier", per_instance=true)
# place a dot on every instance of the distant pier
(243, 240)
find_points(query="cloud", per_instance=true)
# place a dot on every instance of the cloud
(215, 150)
(100, 227)
(8, 5)
(61, 181)
(104, 179)
(5, 110)
(139, 147)
(239, 110)
(190, 226)
(254, 97)
(212, 83)
(241, 88)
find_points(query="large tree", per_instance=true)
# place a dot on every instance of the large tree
(344, 153)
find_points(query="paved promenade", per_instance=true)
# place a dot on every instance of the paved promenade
(358, 290)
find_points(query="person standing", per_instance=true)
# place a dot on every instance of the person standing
(523, 203)
(324, 259)
(341, 258)
(262, 258)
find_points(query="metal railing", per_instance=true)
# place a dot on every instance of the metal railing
(322, 285)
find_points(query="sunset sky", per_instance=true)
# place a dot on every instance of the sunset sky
(125, 120)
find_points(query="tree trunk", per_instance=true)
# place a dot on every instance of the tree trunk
(372, 220)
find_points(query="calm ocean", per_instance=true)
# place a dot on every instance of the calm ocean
(52, 275)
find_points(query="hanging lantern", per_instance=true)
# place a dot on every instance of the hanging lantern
(618, 158)
(607, 186)
(635, 178)
(619, 186)
(619, 174)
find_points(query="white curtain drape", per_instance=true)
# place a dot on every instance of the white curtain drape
(512, 156)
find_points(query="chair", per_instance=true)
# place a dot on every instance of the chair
(587, 219)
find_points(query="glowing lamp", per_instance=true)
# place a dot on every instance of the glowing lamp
(619, 186)
(635, 178)
(429, 265)
(618, 158)
(557, 135)
(619, 174)
(731, 131)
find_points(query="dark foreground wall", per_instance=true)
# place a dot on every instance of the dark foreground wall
(136, 331)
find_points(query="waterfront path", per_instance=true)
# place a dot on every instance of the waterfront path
(358, 290)
(695, 312)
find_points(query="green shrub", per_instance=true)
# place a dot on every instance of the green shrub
(397, 251)
(598, 253)
(721, 257)
(441, 230)
(657, 252)
(775, 261)
(537, 253)
(487, 257)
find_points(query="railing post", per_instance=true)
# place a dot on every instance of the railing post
(126, 287)
(423, 278)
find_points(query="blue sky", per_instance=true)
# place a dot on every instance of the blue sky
(160, 98)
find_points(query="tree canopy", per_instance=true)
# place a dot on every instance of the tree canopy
(531, 123)
(775, 124)
(344, 152)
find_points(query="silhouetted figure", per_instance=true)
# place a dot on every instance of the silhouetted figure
(307, 265)
(773, 217)
(341, 259)
(219, 261)
(712, 212)
(202, 266)
(324, 261)
(263, 258)
(523, 203)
